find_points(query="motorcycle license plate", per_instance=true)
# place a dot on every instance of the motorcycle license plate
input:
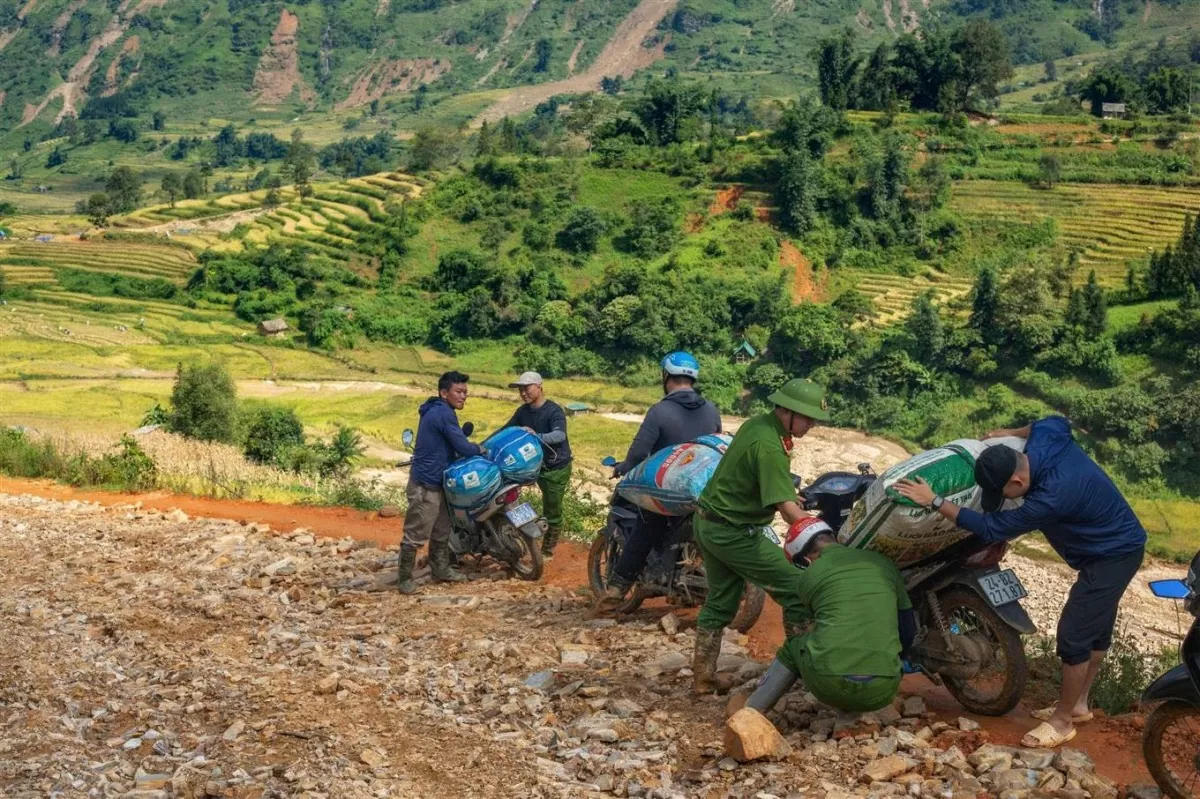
(521, 515)
(1000, 588)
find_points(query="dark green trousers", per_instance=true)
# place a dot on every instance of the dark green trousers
(836, 690)
(554, 485)
(735, 555)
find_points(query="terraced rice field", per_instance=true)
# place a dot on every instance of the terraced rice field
(893, 295)
(1111, 225)
(29, 261)
(26, 275)
(325, 222)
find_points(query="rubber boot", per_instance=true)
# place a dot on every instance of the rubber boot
(439, 564)
(408, 559)
(549, 542)
(775, 682)
(704, 660)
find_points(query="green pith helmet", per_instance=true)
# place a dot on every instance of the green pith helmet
(802, 396)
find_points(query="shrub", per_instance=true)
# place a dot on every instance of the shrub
(583, 230)
(204, 403)
(272, 431)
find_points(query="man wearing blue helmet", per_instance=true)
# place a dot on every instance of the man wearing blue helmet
(681, 415)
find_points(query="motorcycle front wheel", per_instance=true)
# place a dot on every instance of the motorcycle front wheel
(980, 633)
(1171, 746)
(602, 559)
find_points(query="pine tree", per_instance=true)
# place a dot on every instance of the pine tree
(1076, 313)
(926, 330)
(985, 299)
(1096, 308)
(485, 146)
(799, 186)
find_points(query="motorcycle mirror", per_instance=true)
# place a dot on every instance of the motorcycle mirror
(609, 461)
(796, 480)
(407, 438)
(864, 468)
(1169, 589)
(468, 428)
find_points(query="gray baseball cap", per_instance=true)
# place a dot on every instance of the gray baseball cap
(527, 379)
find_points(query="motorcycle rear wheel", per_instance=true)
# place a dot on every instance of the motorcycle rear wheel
(967, 609)
(525, 558)
(1172, 741)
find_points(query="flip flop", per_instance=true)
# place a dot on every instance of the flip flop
(1045, 713)
(1043, 736)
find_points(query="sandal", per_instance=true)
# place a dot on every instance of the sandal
(1045, 713)
(1043, 736)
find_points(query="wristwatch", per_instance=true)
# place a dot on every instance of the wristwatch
(937, 503)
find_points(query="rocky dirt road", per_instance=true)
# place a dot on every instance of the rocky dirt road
(150, 655)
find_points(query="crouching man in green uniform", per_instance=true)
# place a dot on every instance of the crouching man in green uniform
(862, 621)
(752, 482)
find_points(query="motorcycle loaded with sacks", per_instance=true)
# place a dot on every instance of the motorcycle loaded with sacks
(489, 517)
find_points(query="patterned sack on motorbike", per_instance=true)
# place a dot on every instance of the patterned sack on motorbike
(718, 441)
(471, 482)
(886, 522)
(669, 482)
(517, 452)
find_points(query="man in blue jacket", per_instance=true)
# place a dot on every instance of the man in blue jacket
(439, 441)
(1084, 517)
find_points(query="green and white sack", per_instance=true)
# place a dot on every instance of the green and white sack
(886, 522)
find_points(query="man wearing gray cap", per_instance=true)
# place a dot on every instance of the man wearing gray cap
(546, 420)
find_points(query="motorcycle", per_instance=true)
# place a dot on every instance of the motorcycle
(675, 570)
(503, 527)
(970, 620)
(1171, 741)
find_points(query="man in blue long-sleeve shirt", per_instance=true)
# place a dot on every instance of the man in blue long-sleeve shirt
(1070, 499)
(439, 441)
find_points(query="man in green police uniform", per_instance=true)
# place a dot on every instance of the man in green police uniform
(752, 482)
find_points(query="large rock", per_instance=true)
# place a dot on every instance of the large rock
(749, 736)
(886, 768)
(1013, 779)
(991, 758)
(1073, 758)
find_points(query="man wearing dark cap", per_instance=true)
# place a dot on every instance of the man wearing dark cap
(1090, 525)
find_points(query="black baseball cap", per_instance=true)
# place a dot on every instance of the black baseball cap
(993, 469)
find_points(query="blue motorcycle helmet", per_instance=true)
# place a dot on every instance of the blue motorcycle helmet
(680, 364)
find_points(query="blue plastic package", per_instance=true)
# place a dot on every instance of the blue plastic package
(517, 452)
(471, 482)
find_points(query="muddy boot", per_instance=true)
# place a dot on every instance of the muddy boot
(612, 599)
(439, 564)
(408, 559)
(549, 542)
(704, 660)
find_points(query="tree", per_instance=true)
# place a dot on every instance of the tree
(1095, 308)
(1167, 91)
(809, 336)
(204, 402)
(14, 169)
(836, 68)
(271, 433)
(159, 120)
(429, 148)
(1107, 85)
(338, 456)
(797, 193)
(1049, 170)
(985, 299)
(925, 330)
(57, 157)
(583, 230)
(97, 209)
(193, 184)
(653, 227)
(1051, 70)
(984, 60)
(299, 163)
(542, 52)
(172, 186)
(124, 190)
(669, 110)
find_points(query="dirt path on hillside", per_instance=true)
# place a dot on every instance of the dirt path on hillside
(804, 288)
(288, 663)
(623, 55)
